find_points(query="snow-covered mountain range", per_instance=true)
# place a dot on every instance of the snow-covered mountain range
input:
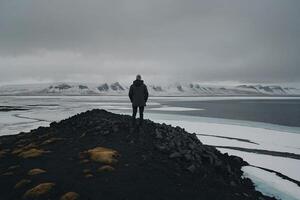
(176, 89)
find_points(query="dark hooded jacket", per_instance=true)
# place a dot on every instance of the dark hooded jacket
(138, 93)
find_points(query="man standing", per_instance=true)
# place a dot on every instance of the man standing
(138, 94)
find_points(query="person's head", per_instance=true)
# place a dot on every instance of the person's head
(138, 77)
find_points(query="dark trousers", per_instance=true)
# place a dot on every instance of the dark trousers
(141, 110)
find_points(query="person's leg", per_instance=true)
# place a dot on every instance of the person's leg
(141, 110)
(134, 111)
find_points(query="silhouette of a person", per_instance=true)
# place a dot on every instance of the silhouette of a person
(138, 94)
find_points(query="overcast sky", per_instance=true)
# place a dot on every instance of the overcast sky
(164, 40)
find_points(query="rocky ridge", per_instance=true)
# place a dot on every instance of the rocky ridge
(100, 155)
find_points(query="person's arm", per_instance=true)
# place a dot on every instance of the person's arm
(146, 94)
(130, 94)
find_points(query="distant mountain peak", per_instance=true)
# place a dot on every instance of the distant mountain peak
(116, 86)
(173, 89)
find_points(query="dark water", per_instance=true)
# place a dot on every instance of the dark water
(282, 112)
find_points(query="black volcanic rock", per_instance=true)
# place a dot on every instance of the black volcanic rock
(116, 86)
(82, 87)
(103, 87)
(157, 88)
(99, 155)
(265, 88)
(63, 86)
(248, 87)
(179, 88)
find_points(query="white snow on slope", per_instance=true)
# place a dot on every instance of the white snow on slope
(172, 89)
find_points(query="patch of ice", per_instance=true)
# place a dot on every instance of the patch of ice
(287, 166)
(17, 128)
(170, 108)
(263, 125)
(271, 185)
(218, 98)
(9, 118)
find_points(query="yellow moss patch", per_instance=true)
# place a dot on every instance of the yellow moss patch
(23, 148)
(36, 171)
(7, 174)
(32, 153)
(22, 183)
(38, 191)
(88, 175)
(86, 171)
(13, 167)
(70, 196)
(103, 155)
(106, 168)
(51, 140)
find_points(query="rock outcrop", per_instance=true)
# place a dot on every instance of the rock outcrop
(100, 155)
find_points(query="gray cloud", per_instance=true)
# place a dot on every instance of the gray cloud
(233, 40)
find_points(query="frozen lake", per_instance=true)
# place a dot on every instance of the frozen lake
(264, 131)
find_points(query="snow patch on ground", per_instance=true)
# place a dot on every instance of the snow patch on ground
(219, 98)
(170, 108)
(271, 185)
(287, 166)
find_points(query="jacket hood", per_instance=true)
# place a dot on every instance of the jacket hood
(138, 83)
